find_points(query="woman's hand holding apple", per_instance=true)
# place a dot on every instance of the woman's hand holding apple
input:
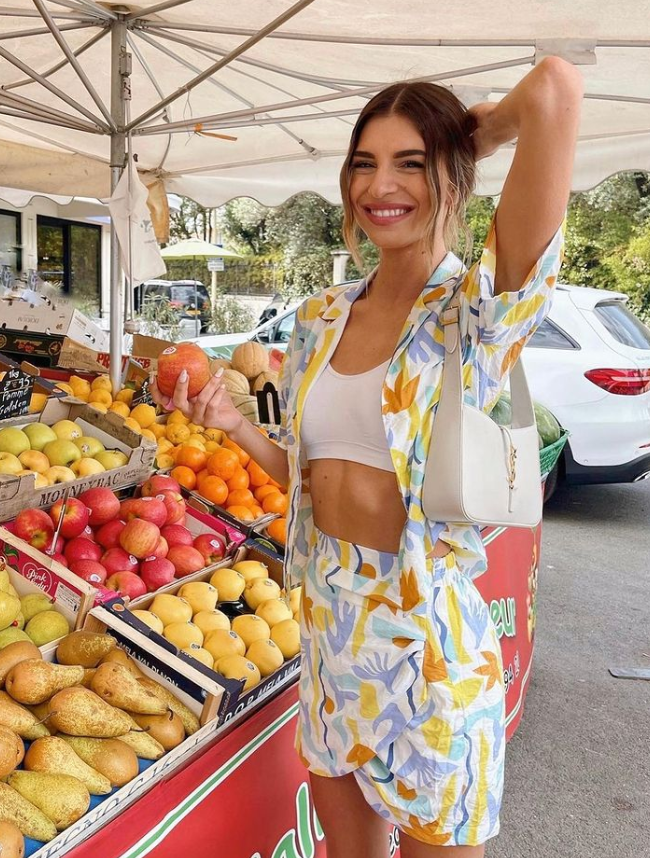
(211, 407)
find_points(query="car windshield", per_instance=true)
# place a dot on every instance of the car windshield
(184, 295)
(623, 325)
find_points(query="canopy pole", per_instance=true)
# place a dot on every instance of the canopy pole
(119, 87)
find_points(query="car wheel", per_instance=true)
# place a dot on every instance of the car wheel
(552, 482)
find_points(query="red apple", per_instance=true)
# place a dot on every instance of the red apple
(148, 509)
(108, 535)
(82, 549)
(212, 547)
(127, 584)
(177, 534)
(159, 483)
(51, 547)
(173, 360)
(90, 571)
(118, 560)
(75, 519)
(88, 532)
(140, 538)
(186, 559)
(34, 526)
(175, 505)
(162, 549)
(102, 503)
(157, 572)
(60, 558)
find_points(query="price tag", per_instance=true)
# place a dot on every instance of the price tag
(143, 395)
(15, 393)
(268, 405)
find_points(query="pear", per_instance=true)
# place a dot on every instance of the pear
(29, 819)
(19, 719)
(46, 627)
(89, 672)
(42, 712)
(111, 758)
(35, 603)
(11, 635)
(118, 656)
(52, 754)
(12, 843)
(166, 729)
(116, 685)
(19, 622)
(84, 648)
(14, 653)
(144, 745)
(5, 584)
(9, 609)
(190, 722)
(12, 751)
(34, 681)
(80, 712)
(62, 798)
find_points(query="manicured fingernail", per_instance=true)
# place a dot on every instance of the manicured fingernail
(219, 372)
(183, 375)
(169, 405)
(152, 378)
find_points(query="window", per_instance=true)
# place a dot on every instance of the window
(283, 330)
(69, 255)
(549, 336)
(623, 325)
(10, 241)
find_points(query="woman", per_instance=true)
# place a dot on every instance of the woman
(402, 699)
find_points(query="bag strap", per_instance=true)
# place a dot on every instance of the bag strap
(523, 413)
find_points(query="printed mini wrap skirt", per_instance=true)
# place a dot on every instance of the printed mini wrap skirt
(412, 701)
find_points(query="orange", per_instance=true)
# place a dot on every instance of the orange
(223, 463)
(277, 530)
(184, 475)
(262, 491)
(214, 489)
(177, 433)
(257, 511)
(275, 503)
(241, 497)
(242, 455)
(192, 457)
(258, 476)
(272, 482)
(241, 512)
(239, 480)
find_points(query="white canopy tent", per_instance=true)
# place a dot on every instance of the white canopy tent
(80, 80)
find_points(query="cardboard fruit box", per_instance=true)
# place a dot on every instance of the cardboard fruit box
(232, 701)
(18, 493)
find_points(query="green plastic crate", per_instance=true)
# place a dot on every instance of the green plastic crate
(548, 456)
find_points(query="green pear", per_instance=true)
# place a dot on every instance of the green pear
(115, 684)
(47, 627)
(84, 648)
(12, 843)
(190, 722)
(13, 654)
(9, 609)
(62, 798)
(11, 635)
(55, 756)
(80, 712)
(21, 720)
(4, 580)
(35, 603)
(111, 758)
(29, 819)
(35, 681)
(144, 745)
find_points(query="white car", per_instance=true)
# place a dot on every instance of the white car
(588, 363)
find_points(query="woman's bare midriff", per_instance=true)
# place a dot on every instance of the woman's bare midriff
(359, 504)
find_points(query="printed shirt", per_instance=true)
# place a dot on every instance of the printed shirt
(495, 328)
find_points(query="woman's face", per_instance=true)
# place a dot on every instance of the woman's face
(388, 187)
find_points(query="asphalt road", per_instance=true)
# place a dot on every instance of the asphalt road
(578, 769)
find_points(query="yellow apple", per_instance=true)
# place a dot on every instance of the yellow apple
(89, 446)
(34, 461)
(85, 467)
(112, 459)
(13, 440)
(62, 452)
(39, 435)
(40, 480)
(10, 464)
(67, 430)
(59, 474)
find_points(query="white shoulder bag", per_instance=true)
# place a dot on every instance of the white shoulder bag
(477, 471)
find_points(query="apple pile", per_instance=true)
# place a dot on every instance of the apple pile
(54, 454)
(131, 547)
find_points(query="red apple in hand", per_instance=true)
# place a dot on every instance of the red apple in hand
(184, 356)
(90, 571)
(108, 534)
(102, 503)
(140, 538)
(127, 584)
(177, 534)
(75, 519)
(186, 559)
(34, 526)
(175, 505)
(118, 560)
(159, 483)
(212, 547)
(82, 549)
(148, 509)
(157, 572)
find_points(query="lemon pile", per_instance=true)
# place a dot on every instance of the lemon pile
(179, 432)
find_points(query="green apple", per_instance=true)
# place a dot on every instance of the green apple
(85, 467)
(62, 452)
(14, 441)
(10, 464)
(39, 435)
(111, 459)
(67, 430)
(89, 446)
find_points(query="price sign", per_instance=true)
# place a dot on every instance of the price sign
(15, 393)
(268, 404)
(143, 395)
(216, 265)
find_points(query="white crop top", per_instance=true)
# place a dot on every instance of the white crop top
(342, 418)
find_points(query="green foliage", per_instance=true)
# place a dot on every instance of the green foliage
(229, 316)
(190, 221)
(158, 319)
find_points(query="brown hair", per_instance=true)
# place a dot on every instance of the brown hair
(445, 126)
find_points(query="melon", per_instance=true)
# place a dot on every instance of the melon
(246, 405)
(251, 359)
(219, 363)
(263, 378)
(235, 382)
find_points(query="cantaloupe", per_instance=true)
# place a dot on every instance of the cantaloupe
(235, 382)
(250, 359)
(262, 379)
(219, 363)
(246, 405)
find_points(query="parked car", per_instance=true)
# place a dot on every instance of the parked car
(588, 363)
(189, 297)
